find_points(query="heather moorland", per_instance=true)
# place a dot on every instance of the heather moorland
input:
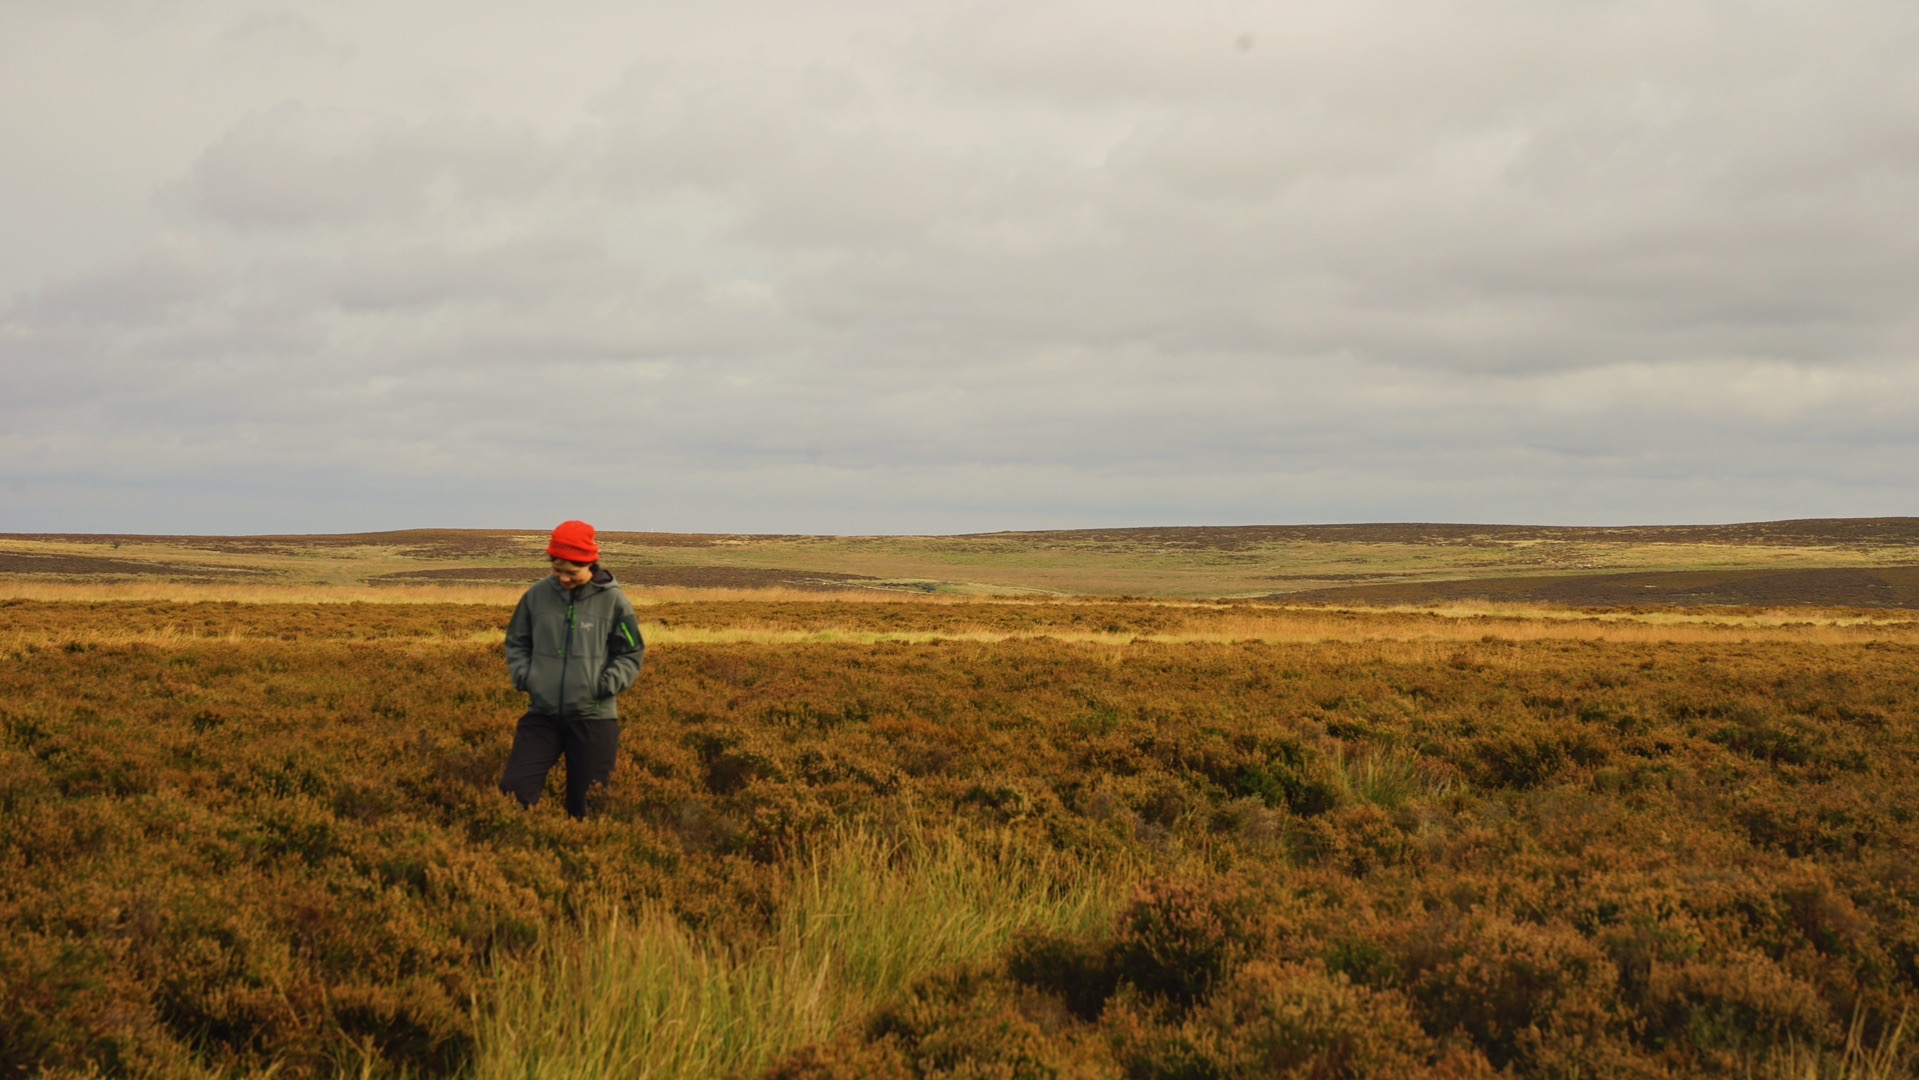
(865, 833)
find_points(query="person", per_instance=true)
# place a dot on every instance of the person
(572, 646)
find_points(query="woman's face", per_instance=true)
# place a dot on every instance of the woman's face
(572, 575)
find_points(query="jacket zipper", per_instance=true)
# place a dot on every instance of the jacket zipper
(566, 653)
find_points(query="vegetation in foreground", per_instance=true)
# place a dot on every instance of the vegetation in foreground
(1017, 840)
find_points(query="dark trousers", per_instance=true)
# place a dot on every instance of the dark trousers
(588, 746)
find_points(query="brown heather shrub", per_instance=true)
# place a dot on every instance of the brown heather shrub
(1288, 1020)
(1177, 938)
(1514, 988)
(1732, 1009)
(1081, 971)
(962, 1023)
(1354, 839)
(847, 1056)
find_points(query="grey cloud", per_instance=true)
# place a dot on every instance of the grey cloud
(298, 166)
(269, 36)
(138, 291)
(523, 271)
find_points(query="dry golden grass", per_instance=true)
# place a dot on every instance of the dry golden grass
(1730, 616)
(1299, 632)
(795, 617)
(252, 593)
(181, 592)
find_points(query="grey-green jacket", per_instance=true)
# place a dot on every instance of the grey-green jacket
(573, 650)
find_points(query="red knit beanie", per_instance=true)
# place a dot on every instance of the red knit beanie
(573, 541)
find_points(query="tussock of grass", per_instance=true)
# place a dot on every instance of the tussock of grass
(1860, 1059)
(640, 995)
(1386, 778)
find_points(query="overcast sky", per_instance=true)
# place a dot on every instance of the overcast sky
(850, 266)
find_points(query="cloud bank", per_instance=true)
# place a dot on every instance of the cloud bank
(863, 267)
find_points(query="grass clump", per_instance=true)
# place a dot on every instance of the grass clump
(1388, 778)
(643, 995)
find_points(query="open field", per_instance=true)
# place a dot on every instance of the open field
(1756, 564)
(1855, 587)
(857, 833)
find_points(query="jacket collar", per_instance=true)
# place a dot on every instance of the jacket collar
(602, 579)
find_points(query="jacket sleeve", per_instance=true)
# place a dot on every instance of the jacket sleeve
(519, 645)
(624, 648)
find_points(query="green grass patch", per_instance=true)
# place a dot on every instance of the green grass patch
(639, 994)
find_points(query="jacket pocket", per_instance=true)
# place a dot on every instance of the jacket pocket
(542, 703)
(577, 694)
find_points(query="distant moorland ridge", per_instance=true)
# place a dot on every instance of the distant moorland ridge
(1878, 530)
(1833, 562)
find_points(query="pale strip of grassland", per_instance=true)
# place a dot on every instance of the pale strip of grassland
(1415, 625)
(1302, 634)
(503, 595)
(254, 593)
(1258, 617)
(497, 595)
(1787, 616)
(1267, 631)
